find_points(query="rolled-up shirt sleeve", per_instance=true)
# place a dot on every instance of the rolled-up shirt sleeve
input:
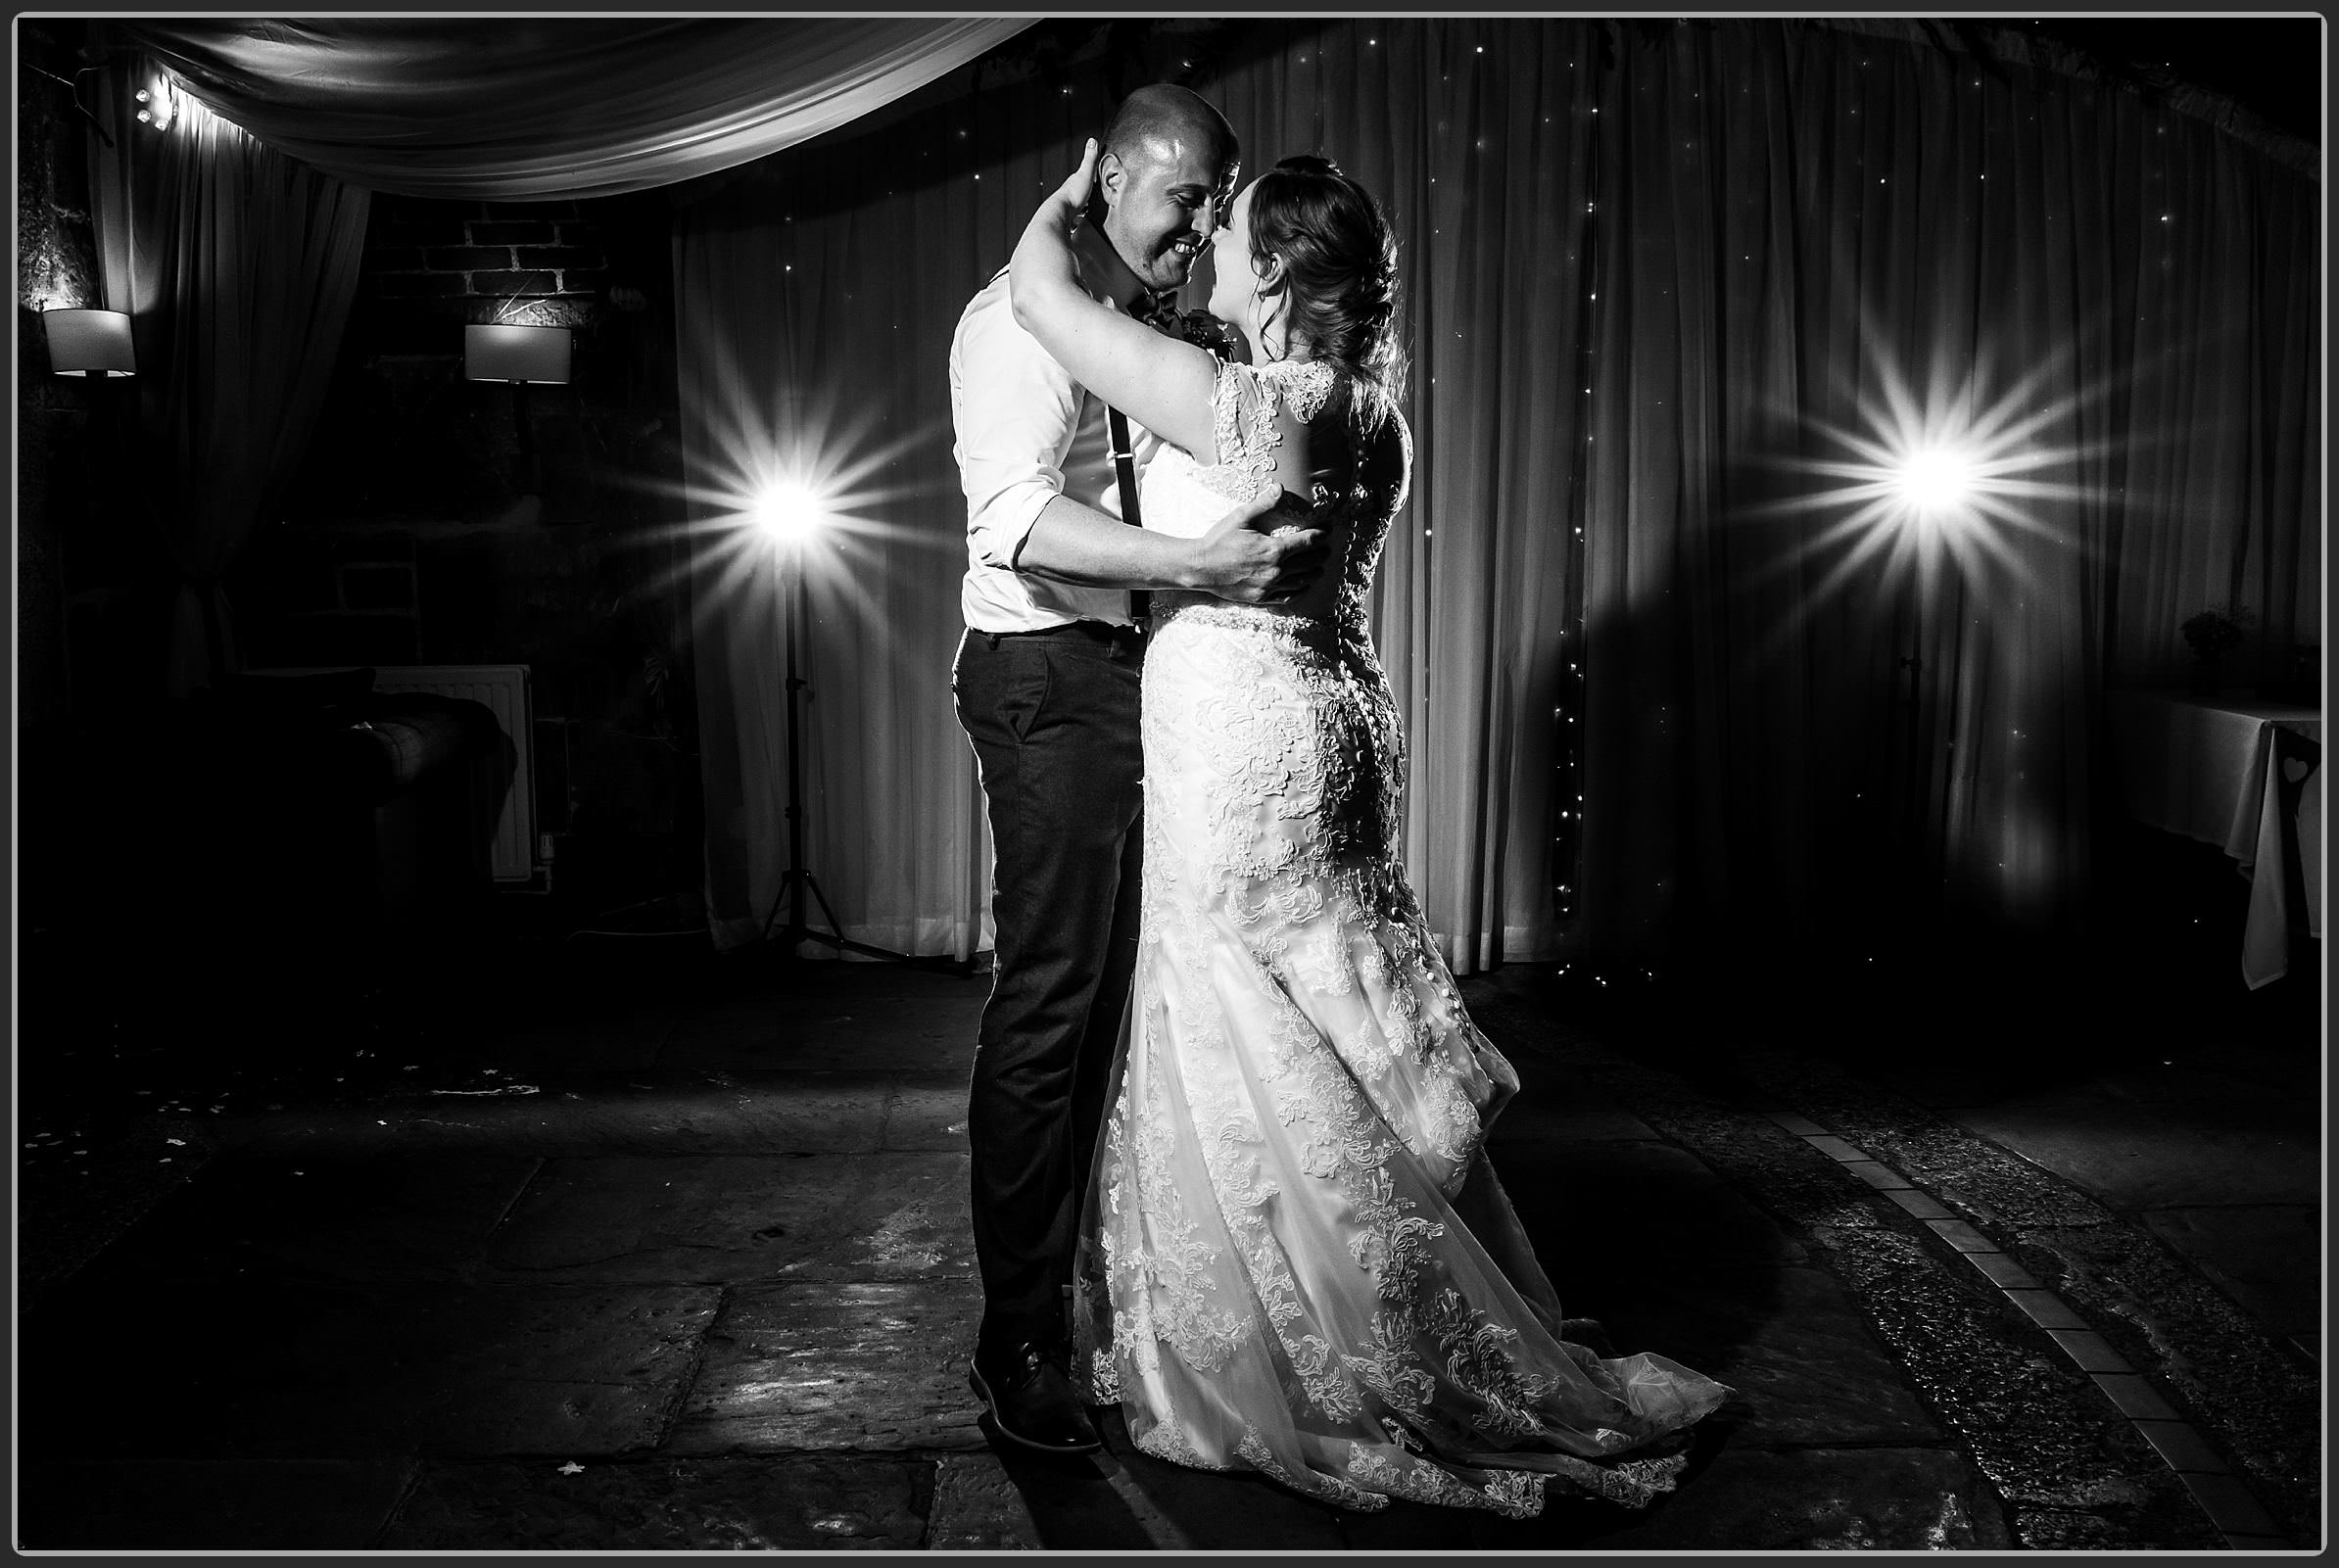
(1016, 410)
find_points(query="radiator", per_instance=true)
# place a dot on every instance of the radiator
(504, 689)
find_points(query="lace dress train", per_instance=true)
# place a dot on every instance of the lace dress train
(1297, 1258)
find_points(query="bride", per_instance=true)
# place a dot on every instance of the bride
(1297, 1258)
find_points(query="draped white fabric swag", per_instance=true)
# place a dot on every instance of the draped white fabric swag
(509, 109)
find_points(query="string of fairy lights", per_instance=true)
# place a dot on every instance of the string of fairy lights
(1568, 842)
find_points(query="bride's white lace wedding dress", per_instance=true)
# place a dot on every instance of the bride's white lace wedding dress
(1296, 1259)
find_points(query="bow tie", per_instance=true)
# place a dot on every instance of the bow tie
(1157, 310)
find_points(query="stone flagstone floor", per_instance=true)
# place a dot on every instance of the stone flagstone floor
(681, 1262)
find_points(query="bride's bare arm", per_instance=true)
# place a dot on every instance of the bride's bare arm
(1158, 381)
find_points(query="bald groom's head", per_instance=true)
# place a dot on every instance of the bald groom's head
(1165, 116)
(1165, 176)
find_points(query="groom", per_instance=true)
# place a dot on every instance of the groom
(1047, 685)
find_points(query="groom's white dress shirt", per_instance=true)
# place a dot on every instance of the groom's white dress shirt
(1027, 433)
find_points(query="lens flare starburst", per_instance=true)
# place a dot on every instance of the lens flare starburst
(788, 512)
(1935, 481)
(1950, 478)
(797, 480)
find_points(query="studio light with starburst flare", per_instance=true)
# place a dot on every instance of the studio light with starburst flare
(1946, 479)
(811, 490)
(788, 512)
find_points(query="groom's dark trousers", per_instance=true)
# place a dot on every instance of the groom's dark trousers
(1053, 716)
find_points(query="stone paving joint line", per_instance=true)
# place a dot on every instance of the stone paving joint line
(2222, 1493)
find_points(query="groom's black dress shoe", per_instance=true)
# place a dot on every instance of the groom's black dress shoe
(1032, 1400)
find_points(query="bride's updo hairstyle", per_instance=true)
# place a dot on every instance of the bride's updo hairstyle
(1340, 261)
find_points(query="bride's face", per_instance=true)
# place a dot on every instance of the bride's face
(1233, 294)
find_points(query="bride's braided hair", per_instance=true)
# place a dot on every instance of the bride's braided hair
(1339, 258)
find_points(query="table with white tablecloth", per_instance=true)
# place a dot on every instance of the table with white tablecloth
(2245, 776)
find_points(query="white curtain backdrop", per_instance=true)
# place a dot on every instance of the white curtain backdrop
(1638, 258)
(1641, 257)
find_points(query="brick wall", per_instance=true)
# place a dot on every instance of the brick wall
(56, 452)
(539, 262)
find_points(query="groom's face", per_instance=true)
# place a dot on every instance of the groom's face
(1164, 198)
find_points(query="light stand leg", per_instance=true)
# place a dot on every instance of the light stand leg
(800, 879)
(798, 873)
(1912, 793)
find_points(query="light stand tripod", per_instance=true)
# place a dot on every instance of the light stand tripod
(1911, 792)
(799, 880)
(1925, 782)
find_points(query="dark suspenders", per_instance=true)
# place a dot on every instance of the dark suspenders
(1125, 466)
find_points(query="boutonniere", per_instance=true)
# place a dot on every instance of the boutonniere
(1198, 328)
(1205, 331)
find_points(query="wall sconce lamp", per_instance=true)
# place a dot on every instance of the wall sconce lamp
(520, 357)
(90, 343)
(517, 355)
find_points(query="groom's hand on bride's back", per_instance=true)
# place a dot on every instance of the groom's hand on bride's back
(1246, 560)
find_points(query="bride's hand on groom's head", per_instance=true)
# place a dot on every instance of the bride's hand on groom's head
(1073, 194)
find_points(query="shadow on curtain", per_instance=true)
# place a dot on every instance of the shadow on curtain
(1809, 742)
